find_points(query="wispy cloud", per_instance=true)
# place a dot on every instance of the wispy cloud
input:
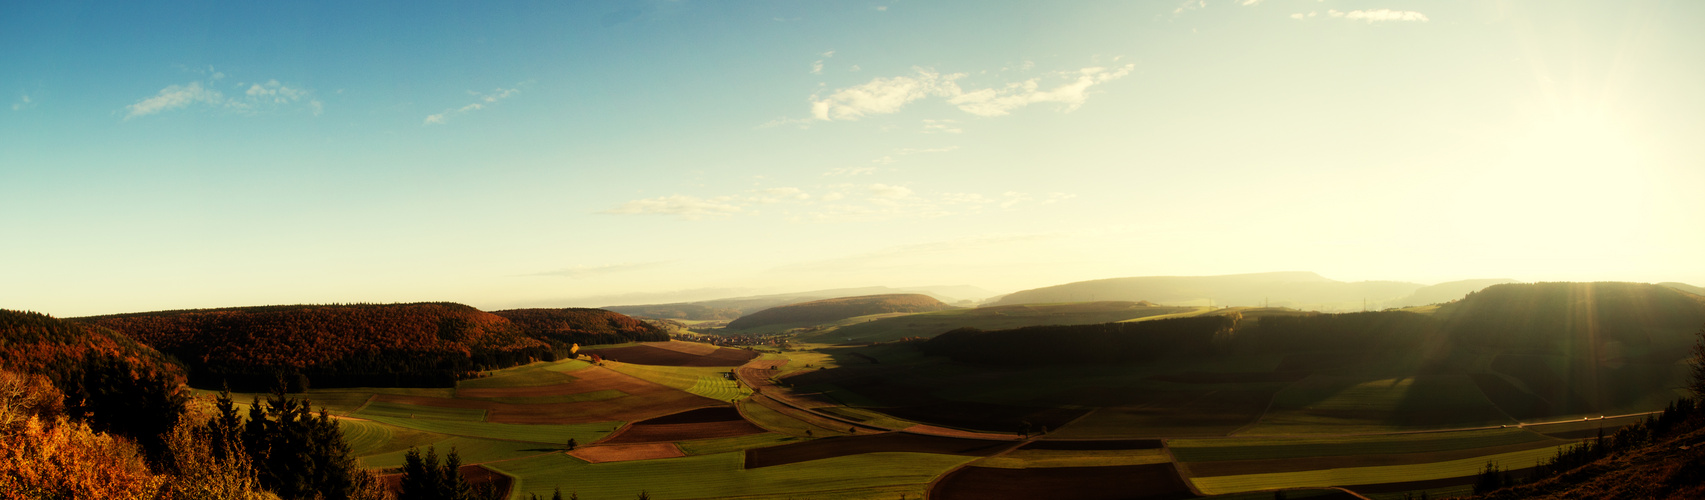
(1369, 16)
(890, 95)
(249, 98)
(174, 97)
(584, 271)
(997, 102)
(686, 207)
(942, 126)
(1379, 15)
(481, 101)
(834, 203)
(23, 102)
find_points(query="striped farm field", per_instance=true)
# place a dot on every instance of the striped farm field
(382, 409)
(1274, 448)
(723, 475)
(1369, 475)
(363, 436)
(367, 437)
(707, 381)
(584, 433)
(471, 451)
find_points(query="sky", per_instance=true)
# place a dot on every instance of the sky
(553, 154)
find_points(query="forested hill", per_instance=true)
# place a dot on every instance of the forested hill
(383, 345)
(38, 343)
(561, 327)
(1577, 317)
(823, 311)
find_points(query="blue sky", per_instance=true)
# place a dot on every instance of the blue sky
(592, 153)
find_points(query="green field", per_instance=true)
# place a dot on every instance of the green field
(708, 381)
(380, 409)
(584, 433)
(736, 443)
(367, 437)
(722, 475)
(1370, 475)
(603, 395)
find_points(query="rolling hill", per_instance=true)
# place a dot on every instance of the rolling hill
(992, 318)
(1300, 290)
(730, 308)
(827, 310)
(401, 345)
(38, 343)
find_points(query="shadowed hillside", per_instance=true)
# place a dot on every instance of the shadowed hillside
(422, 344)
(823, 311)
(1292, 289)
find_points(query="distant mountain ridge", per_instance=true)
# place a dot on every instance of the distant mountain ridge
(827, 310)
(734, 307)
(1300, 290)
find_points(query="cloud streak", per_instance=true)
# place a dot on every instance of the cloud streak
(251, 98)
(1370, 16)
(481, 101)
(891, 94)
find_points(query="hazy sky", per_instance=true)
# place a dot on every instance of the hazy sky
(566, 153)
